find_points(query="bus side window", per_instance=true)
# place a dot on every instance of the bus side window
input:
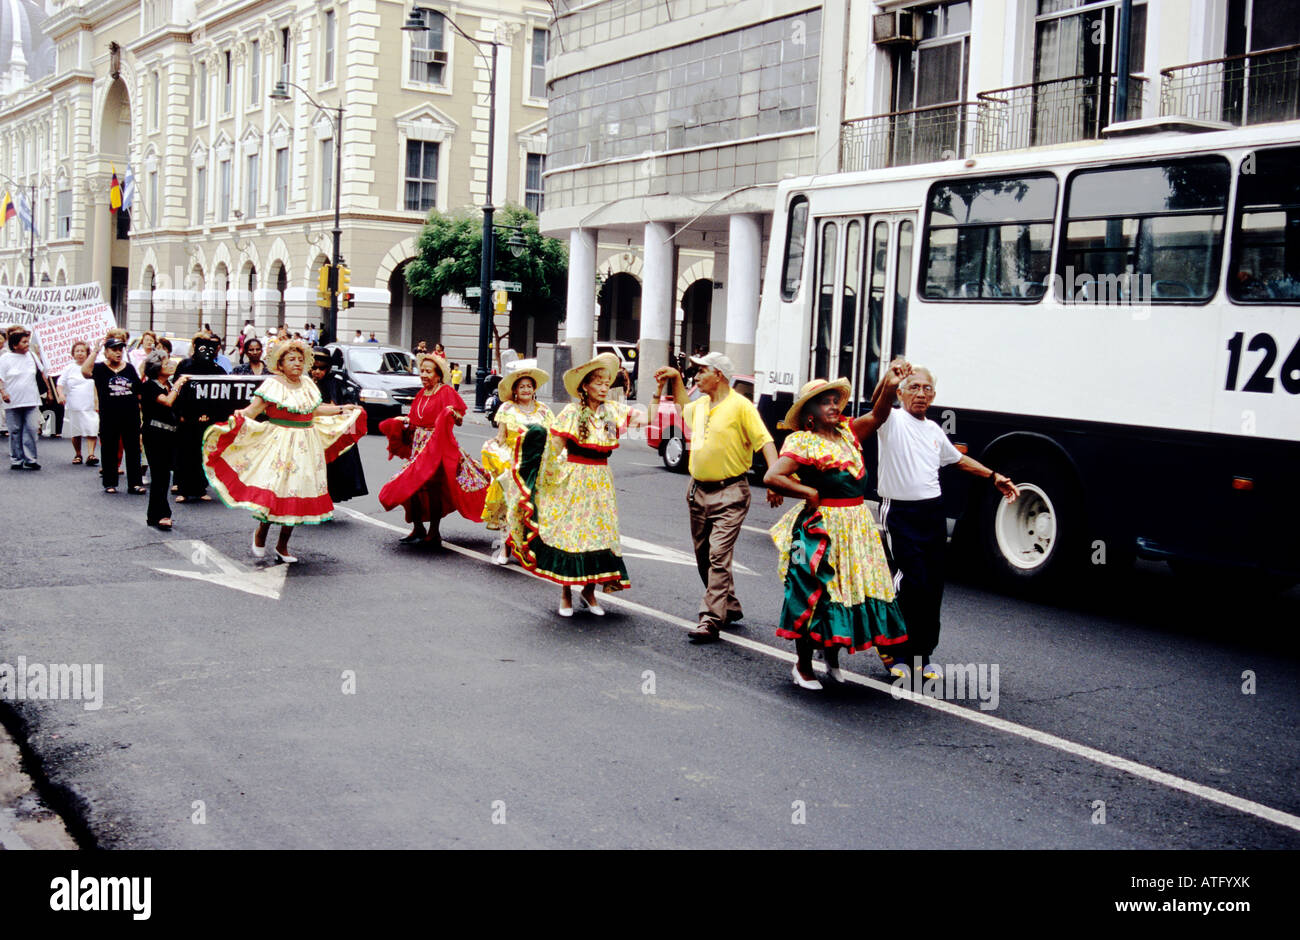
(1266, 233)
(796, 235)
(989, 239)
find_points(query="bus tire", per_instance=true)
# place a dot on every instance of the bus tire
(673, 452)
(1038, 539)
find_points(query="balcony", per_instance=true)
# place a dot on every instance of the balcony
(1254, 88)
(902, 138)
(1037, 114)
(1058, 111)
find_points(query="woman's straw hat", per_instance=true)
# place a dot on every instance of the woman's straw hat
(812, 390)
(573, 378)
(506, 387)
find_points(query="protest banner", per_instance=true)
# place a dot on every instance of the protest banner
(29, 305)
(217, 396)
(55, 334)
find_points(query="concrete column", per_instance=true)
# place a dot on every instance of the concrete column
(103, 231)
(580, 312)
(657, 305)
(744, 263)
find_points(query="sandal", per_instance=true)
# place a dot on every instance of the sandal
(139, 491)
(92, 461)
(164, 524)
(77, 459)
(111, 489)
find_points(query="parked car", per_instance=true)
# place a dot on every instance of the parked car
(669, 437)
(626, 353)
(385, 376)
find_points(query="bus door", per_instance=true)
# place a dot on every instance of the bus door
(882, 332)
(839, 297)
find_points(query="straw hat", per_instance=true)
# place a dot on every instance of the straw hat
(279, 349)
(443, 369)
(812, 390)
(506, 387)
(573, 378)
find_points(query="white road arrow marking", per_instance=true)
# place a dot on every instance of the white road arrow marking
(220, 570)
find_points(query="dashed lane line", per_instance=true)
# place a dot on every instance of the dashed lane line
(1133, 768)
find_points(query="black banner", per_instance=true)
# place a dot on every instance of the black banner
(216, 396)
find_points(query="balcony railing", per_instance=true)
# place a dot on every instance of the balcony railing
(1253, 88)
(901, 138)
(1058, 111)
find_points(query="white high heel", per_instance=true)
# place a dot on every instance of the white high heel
(287, 559)
(592, 605)
(258, 551)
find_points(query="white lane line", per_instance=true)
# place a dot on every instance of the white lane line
(754, 528)
(1142, 771)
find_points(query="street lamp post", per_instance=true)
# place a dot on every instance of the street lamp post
(281, 93)
(415, 23)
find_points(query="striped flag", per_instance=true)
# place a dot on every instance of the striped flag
(114, 193)
(25, 214)
(7, 210)
(128, 189)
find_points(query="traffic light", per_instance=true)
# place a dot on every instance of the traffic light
(345, 281)
(323, 288)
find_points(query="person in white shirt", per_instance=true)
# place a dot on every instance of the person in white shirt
(21, 393)
(912, 449)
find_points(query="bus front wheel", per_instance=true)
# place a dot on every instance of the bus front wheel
(1033, 540)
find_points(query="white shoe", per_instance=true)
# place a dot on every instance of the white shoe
(258, 552)
(501, 556)
(803, 683)
(287, 559)
(592, 606)
(564, 611)
(834, 673)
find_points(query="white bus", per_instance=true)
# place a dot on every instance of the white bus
(1114, 325)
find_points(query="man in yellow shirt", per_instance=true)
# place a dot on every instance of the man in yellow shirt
(724, 431)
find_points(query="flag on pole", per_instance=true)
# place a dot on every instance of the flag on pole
(114, 193)
(25, 214)
(7, 210)
(128, 189)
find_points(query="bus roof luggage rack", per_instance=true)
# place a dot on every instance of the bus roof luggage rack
(1165, 124)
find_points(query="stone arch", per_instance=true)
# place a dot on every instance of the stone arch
(149, 264)
(397, 256)
(278, 253)
(113, 110)
(701, 270)
(623, 262)
(618, 314)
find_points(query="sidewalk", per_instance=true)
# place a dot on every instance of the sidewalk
(25, 821)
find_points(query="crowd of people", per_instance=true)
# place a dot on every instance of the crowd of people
(544, 483)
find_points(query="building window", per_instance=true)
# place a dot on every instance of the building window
(123, 223)
(254, 71)
(284, 54)
(421, 175)
(251, 188)
(201, 94)
(200, 194)
(226, 100)
(327, 173)
(428, 59)
(533, 183)
(157, 94)
(327, 73)
(153, 199)
(541, 39)
(928, 76)
(224, 205)
(281, 180)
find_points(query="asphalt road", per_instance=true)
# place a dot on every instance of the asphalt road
(392, 698)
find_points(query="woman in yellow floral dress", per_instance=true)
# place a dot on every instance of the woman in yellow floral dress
(838, 588)
(566, 525)
(519, 411)
(276, 467)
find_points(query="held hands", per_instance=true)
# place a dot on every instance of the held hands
(813, 500)
(898, 370)
(774, 498)
(665, 374)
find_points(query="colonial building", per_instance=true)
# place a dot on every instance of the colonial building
(672, 121)
(233, 200)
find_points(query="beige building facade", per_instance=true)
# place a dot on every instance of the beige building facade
(233, 201)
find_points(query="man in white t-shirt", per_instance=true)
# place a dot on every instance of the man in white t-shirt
(912, 449)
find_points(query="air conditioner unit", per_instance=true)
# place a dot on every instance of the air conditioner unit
(898, 27)
(429, 56)
(439, 56)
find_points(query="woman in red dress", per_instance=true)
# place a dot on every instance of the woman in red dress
(439, 477)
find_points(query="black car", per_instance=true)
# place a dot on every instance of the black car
(385, 376)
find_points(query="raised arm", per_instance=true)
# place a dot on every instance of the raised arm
(882, 399)
(88, 367)
(670, 377)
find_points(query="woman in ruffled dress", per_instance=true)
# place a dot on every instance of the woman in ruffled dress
(839, 593)
(276, 467)
(566, 526)
(439, 477)
(520, 410)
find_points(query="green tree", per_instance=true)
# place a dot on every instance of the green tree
(450, 249)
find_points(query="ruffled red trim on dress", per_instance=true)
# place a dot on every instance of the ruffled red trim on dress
(241, 492)
(435, 465)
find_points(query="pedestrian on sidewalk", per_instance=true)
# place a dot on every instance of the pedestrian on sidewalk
(912, 449)
(724, 431)
(838, 589)
(566, 529)
(276, 467)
